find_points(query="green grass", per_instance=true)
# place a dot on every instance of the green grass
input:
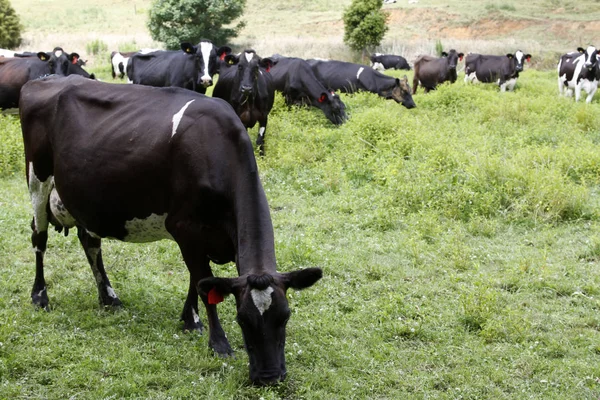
(460, 248)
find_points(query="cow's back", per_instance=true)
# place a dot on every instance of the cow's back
(161, 69)
(14, 73)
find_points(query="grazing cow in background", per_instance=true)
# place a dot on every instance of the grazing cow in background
(580, 71)
(247, 85)
(192, 67)
(381, 62)
(141, 164)
(15, 72)
(432, 71)
(501, 69)
(349, 78)
(295, 79)
(119, 59)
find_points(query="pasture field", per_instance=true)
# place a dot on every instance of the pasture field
(459, 241)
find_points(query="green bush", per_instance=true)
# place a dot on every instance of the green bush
(10, 26)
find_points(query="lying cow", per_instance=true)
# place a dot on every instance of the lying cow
(295, 79)
(381, 62)
(349, 78)
(15, 72)
(579, 71)
(501, 69)
(432, 71)
(182, 168)
(247, 85)
(192, 67)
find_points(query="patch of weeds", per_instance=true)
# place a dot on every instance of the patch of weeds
(478, 306)
(592, 254)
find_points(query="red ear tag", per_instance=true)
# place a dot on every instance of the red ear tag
(214, 297)
(223, 56)
(75, 59)
(460, 58)
(322, 98)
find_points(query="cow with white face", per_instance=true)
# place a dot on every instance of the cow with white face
(579, 71)
(504, 70)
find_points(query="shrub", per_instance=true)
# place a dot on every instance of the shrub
(10, 26)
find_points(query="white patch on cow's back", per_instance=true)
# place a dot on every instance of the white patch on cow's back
(147, 229)
(177, 117)
(249, 56)
(360, 70)
(262, 299)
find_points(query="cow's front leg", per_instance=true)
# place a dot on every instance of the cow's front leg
(189, 315)
(260, 139)
(93, 252)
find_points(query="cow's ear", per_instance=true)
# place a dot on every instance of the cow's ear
(231, 59)
(581, 49)
(216, 288)
(444, 54)
(510, 56)
(302, 278)
(73, 57)
(323, 98)
(223, 51)
(43, 56)
(188, 48)
(460, 56)
(267, 63)
(528, 57)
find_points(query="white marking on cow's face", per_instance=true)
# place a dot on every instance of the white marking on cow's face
(589, 56)
(360, 70)
(39, 192)
(58, 53)
(519, 56)
(177, 117)
(262, 299)
(147, 229)
(205, 49)
(249, 56)
(261, 131)
(378, 66)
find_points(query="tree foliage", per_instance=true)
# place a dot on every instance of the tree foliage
(365, 24)
(10, 26)
(174, 21)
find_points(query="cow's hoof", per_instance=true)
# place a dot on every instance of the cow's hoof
(40, 298)
(111, 303)
(192, 326)
(221, 348)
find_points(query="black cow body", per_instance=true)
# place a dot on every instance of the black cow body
(349, 78)
(381, 62)
(247, 85)
(295, 79)
(141, 164)
(432, 71)
(191, 68)
(501, 69)
(579, 71)
(15, 72)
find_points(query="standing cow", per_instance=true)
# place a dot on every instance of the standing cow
(580, 71)
(432, 71)
(381, 62)
(501, 69)
(247, 85)
(192, 67)
(15, 72)
(141, 164)
(349, 78)
(294, 78)
(119, 60)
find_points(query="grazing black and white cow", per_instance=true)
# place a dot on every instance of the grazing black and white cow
(295, 79)
(501, 69)
(141, 164)
(349, 78)
(580, 71)
(381, 62)
(247, 85)
(432, 71)
(15, 72)
(192, 67)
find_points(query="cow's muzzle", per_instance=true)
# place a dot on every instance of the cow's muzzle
(206, 82)
(268, 379)
(246, 90)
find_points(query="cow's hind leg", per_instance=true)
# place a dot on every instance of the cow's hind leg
(260, 139)
(93, 252)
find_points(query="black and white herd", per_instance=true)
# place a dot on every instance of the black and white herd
(159, 160)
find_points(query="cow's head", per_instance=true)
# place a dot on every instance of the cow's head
(333, 107)
(400, 93)
(206, 57)
(249, 67)
(591, 56)
(519, 59)
(64, 64)
(262, 313)
(453, 58)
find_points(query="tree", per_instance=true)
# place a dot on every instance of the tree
(175, 21)
(10, 26)
(364, 24)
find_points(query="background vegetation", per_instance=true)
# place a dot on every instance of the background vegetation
(10, 26)
(459, 240)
